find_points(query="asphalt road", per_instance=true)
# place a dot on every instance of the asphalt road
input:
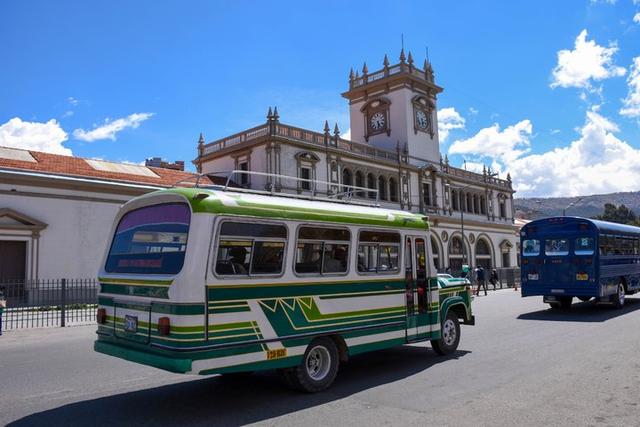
(522, 364)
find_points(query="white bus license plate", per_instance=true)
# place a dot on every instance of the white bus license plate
(130, 323)
(533, 277)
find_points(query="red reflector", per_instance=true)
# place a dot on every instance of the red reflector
(525, 261)
(164, 326)
(101, 316)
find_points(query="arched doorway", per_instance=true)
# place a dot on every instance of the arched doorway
(457, 255)
(483, 254)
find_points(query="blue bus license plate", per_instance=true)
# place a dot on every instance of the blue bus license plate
(130, 323)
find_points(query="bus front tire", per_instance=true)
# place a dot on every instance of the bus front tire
(565, 303)
(318, 368)
(584, 299)
(618, 301)
(448, 343)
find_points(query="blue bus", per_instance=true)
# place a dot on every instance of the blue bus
(567, 257)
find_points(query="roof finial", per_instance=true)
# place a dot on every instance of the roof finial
(365, 70)
(385, 62)
(410, 59)
(326, 126)
(336, 131)
(269, 114)
(402, 57)
(275, 114)
(508, 177)
(351, 74)
(201, 139)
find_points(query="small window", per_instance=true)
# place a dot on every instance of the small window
(322, 251)
(584, 246)
(305, 175)
(250, 249)
(556, 247)
(531, 247)
(378, 252)
(244, 177)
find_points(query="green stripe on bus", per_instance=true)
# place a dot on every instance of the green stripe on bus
(134, 282)
(138, 291)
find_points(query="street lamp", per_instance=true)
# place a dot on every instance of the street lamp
(564, 211)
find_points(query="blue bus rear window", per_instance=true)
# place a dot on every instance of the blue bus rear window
(584, 246)
(556, 247)
(150, 240)
(531, 247)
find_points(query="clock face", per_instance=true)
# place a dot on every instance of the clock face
(377, 121)
(421, 119)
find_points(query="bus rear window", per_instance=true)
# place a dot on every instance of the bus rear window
(150, 240)
(584, 246)
(531, 247)
(556, 247)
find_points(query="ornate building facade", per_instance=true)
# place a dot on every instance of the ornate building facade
(392, 159)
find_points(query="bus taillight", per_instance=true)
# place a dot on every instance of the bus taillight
(101, 316)
(164, 326)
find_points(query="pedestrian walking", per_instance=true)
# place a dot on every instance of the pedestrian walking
(481, 280)
(493, 278)
(3, 305)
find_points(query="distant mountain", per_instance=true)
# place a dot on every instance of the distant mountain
(587, 206)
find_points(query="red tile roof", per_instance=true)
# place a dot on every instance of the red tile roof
(77, 167)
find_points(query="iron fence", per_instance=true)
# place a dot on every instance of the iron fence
(46, 303)
(507, 277)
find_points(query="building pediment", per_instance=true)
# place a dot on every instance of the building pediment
(14, 220)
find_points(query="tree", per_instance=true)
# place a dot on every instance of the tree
(620, 214)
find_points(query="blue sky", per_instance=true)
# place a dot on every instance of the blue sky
(128, 80)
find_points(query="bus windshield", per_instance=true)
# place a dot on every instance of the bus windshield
(150, 240)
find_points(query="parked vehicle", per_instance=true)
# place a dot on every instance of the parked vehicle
(567, 257)
(206, 281)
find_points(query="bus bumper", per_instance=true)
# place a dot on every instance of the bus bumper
(180, 366)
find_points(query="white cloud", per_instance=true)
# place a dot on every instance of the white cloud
(346, 135)
(473, 111)
(71, 100)
(67, 113)
(505, 145)
(636, 18)
(111, 128)
(596, 162)
(448, 120)
(632, 101)
(36, 136)
(586, 62)
(604, 1)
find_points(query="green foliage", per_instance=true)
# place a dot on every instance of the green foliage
(620, 214)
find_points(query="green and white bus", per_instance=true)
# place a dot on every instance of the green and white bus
(211, 281)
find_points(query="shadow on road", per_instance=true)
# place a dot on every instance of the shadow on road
(583, 312)
(236, 400)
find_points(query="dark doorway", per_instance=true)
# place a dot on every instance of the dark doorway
(13, 257)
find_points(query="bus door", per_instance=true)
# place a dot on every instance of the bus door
(417, 289)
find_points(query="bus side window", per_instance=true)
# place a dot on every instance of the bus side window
(250, 249)
(378, 252)
(322, 250)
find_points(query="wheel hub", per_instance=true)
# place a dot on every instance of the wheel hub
(449, 332)
(318, 363)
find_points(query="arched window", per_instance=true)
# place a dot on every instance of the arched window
(483, 254)
(371, 184)
(359, 183)
(476, 207)
(435, 251)
(483, 205)
(382, 188)
(469, 201)
(454, 200)
(393, 190)
(347, 180)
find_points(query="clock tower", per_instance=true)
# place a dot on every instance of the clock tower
(396, 107)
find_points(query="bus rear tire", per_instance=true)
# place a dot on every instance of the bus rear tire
(318, 368)
(450, 335)
(618, 301)
(584, 299)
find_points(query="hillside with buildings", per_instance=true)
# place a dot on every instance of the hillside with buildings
(585, 206)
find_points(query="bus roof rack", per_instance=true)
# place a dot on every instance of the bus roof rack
(346, 196)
